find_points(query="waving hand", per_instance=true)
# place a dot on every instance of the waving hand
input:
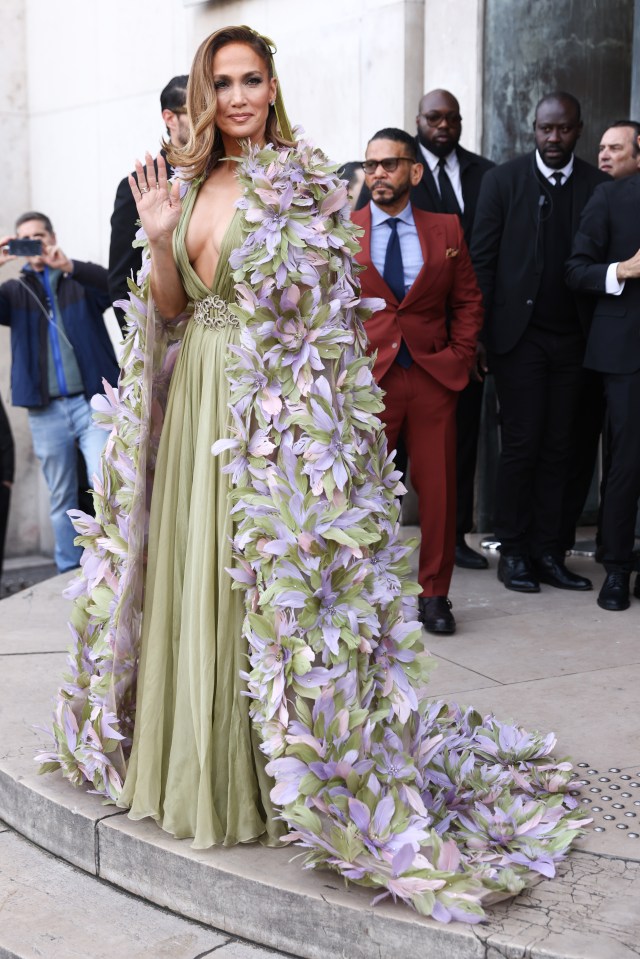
(158, 204)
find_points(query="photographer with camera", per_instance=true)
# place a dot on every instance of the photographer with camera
(60, 353)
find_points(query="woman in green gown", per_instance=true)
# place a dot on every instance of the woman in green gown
(196, 766)
(426, 802)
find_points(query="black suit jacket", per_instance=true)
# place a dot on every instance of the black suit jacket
(425, 195)
(124, 259)
(507, 242)
(609, 232)
(472, 169)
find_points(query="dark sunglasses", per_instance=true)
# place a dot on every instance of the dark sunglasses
(389, 164)
(434, 118)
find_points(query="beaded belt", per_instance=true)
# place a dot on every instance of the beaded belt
(214, 313)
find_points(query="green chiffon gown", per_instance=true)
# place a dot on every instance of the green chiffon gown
(195, 765)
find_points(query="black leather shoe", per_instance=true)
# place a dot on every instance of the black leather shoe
(553, 572)
(467, 558)
(614, 594)
(516, 573)
(434, 612)
(636, 588)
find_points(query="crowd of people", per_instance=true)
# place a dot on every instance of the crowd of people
(247, 665)
(555, 387)
(519, 309)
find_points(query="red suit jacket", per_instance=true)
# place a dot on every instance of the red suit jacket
(446, 285)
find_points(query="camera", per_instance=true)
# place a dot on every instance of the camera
(24, 247)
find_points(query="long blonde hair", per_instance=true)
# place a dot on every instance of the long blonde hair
(205, 148)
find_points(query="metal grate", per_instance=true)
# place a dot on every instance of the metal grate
(612, 798)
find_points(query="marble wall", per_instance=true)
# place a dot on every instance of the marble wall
(79, 101)
(29, 531)
(453, 50)
(79, 89)
(534, 49)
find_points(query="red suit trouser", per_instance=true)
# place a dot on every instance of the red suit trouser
(424, 412)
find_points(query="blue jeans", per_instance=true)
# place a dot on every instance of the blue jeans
(54, 430)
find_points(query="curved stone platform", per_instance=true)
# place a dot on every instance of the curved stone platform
(554, 661)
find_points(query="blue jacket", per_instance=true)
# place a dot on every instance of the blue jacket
(82, 299)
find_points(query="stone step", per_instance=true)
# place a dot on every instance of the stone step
(51, 910)
(547, 668)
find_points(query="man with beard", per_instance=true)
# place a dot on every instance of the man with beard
(451, 176)
(124, 259)
(450, 183)
(528, 212)
(419, 264)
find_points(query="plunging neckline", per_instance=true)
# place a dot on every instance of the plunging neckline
(188, 265)
(214, 282)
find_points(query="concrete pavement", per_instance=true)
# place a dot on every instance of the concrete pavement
(51, 909)
(24, 571)
(551, 661)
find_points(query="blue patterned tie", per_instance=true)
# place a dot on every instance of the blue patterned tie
(393, 276)
(393, 268)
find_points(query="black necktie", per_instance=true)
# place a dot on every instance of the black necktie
(557, 176)
(393, 275)
(447, 196)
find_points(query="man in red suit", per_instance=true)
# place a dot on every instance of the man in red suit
(419, 264)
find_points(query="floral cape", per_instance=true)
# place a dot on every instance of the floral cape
(428, 803)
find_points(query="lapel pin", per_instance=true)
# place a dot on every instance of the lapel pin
(452, 251)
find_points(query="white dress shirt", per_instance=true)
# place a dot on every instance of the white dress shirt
(612, 283)
(452, 166)
(549, 173)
